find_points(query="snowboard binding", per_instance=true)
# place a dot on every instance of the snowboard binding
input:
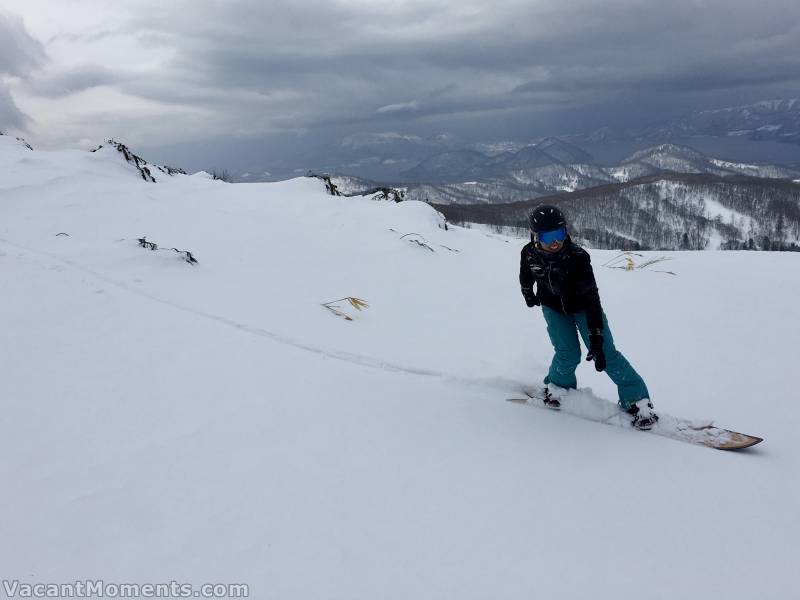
(643, 416)
(550, 401)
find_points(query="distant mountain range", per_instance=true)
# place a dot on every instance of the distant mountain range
(667, 211)
(775, 120)
(747, 134)
(552, 166)
(666, 196)
(461, 165)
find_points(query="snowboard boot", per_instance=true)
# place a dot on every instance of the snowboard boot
(643, 415)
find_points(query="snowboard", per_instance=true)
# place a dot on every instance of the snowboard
(585, 405)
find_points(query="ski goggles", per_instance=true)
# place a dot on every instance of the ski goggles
(548, 237)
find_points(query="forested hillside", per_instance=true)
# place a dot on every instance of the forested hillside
(666, 212)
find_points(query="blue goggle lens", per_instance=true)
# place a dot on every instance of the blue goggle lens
(548, 237)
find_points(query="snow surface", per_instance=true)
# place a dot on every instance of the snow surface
(213, 422)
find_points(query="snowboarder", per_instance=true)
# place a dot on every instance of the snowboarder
(567, 292)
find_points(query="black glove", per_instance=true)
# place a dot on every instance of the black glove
(530, 298)
(596, 351)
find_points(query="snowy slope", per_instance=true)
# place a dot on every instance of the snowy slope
(213, 422)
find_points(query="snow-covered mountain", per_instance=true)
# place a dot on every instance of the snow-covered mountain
(213, 422)
(683, 159)
(455, 165)
(547, 152)
(766, 120)
(666, 212)
(534, 172)
(462, 165)
(774, 120)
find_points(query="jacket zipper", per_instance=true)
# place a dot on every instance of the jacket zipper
(550, 283)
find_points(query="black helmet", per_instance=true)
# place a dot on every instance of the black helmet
(546, 218)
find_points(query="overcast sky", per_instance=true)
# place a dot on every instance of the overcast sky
(74, 72)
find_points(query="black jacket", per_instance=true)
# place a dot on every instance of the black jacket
(564, 281)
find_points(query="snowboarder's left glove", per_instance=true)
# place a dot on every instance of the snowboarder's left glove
(530, 298)
(596, 351)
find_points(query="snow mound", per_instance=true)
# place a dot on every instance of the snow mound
(141, 165)
(7, 141)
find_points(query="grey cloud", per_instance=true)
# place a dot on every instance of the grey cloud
(311, 65)
(19, 52)
(11, 117)
(57, 84)
(341, 63)
(19, 55)
(721, 75)
(93, 36)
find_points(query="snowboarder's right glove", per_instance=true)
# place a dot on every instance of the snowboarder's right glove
(596, 351)
(530, 298)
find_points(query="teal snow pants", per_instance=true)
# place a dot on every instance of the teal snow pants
(563, 331)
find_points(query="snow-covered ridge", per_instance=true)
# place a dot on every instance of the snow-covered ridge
(114, 155)
(19, 140)
(139, 163)
(777, 119)
(553, 167)
(667, 212)
(775, 105)
(683, 159)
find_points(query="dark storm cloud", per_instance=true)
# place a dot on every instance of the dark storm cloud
(19, 54)
(721, 75)
(302, 66)
(314, 63)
